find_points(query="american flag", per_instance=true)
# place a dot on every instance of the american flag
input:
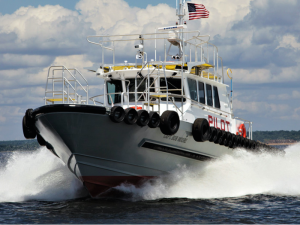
(197, 11)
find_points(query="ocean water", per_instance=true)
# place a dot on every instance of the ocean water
(36, 187)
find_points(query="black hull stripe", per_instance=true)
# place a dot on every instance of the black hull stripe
(176, 151)
(69, 108)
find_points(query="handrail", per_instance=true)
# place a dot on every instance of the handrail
(146, 34)
(66, 82)
(193, 102)
(64, 68)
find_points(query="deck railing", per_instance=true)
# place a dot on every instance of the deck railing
(63, 86)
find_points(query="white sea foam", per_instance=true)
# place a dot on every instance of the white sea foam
(37, 175)
(241, 173)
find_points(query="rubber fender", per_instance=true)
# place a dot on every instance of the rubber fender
(29, 117)
(229, 139)
(201, 130)
(213, 133)
(250, 144)
(143, 118)
(40, 140)
(218, 135)
(169, 122)
(117, 114)
(131, 116)
(243, 144)
(246, 143)
(154, 120)
(238, 141)
(233, 140)
(28, 132)
(223, 139)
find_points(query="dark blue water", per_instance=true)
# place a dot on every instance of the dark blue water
(35, 187)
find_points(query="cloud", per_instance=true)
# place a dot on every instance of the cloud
(294, 95)
(117, 17)
(268, 75)
(48, 30)
(262, 108)
(8, 112)
(2, 119)
(16, 61)
(294, 115)
(263, 45)
(289, 41)
(258, 39)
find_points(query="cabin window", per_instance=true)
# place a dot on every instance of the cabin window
(201, 92)
(209, 95)
(193, 89)
(114, 90)
(216, 98)
(141, 88)
(174, 87)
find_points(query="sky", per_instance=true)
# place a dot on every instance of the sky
(258, 39)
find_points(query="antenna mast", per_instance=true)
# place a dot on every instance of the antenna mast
(180, 10)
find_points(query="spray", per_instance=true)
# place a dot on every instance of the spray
(239, 174)
(37, 175)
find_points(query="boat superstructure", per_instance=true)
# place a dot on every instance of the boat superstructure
(168, 107)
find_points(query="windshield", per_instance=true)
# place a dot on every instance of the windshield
(141, 88)
(174, 87)
(113, 87)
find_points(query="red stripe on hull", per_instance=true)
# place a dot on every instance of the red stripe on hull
(97, 185)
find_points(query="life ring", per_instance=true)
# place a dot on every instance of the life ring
(242, 131)
(137, 108)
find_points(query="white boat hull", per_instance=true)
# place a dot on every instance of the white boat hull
(104, 154)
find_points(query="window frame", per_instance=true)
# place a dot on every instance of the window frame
(204, 90)
(196, 88)
(138, 80)
(218, 97)
(212, 101)
(109, 102)
(175, 99)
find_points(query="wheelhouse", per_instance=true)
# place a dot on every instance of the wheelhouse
(180, 71)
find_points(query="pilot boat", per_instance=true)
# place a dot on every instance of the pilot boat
(169, 107)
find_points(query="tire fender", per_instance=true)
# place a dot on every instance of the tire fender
(154, 120)
(143, 118)
(201, 130)
(169, 122)
(131, 116)
(117, 114)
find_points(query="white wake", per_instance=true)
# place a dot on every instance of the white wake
(239, 174)
(37, 175)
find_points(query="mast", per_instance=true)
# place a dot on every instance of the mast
(180, 12)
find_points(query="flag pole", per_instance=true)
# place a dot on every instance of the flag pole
(181, 22)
